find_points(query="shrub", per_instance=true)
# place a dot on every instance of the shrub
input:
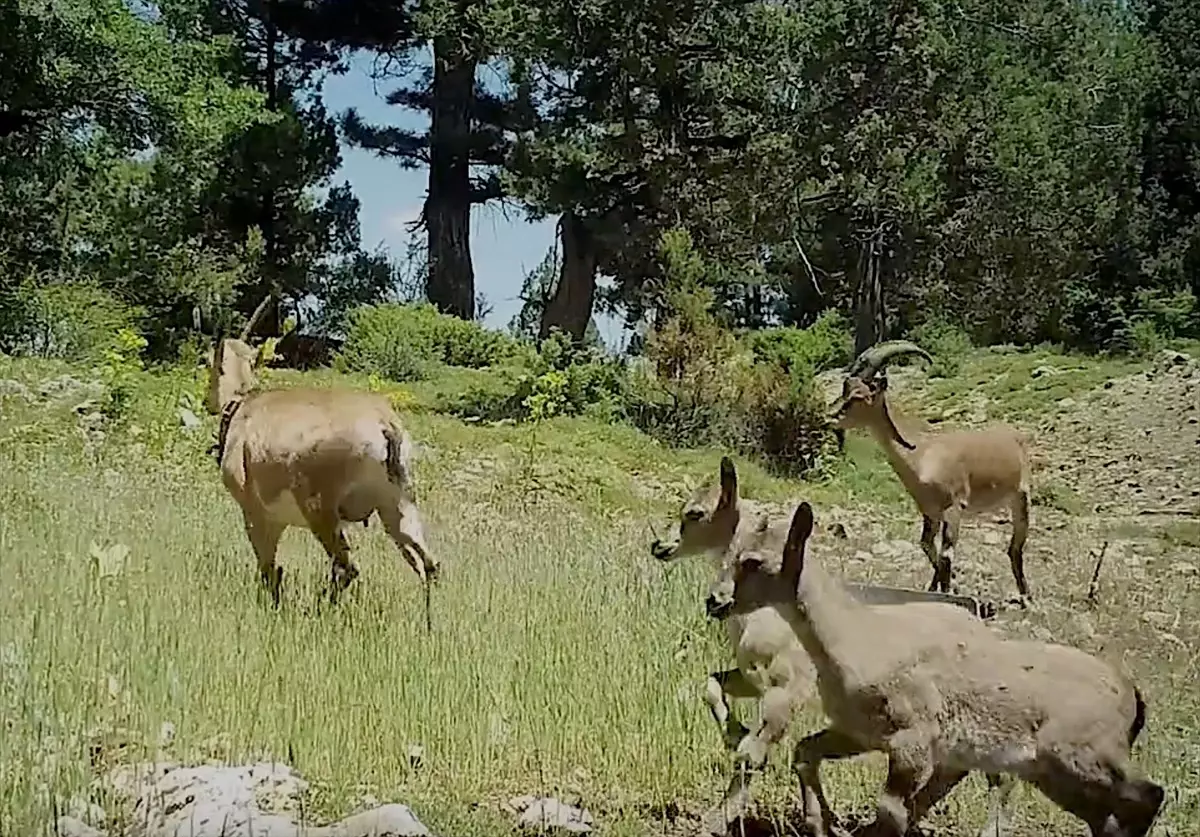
(73, 321)
(1160, 317)
(404, 342)
(783, 419)
(946, 342)
(825, 344)
(559, 379)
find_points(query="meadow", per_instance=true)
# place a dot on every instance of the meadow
(563, 660)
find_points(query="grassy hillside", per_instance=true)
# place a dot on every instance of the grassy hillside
(563, 658)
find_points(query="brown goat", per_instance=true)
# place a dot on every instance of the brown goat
(947, 474)
(317, 458)
(941, 704)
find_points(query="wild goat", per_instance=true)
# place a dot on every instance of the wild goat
(948, 474)
(317, 458)
(942, 703)
(772, 665)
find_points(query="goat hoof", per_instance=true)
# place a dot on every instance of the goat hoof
(717, 822)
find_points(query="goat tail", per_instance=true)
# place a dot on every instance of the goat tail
(399, 453)
(1139, 715)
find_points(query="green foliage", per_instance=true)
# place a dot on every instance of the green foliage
(946, 342)
(559, 379)
(122, 361)
(699, 387)
(69, 320)
(825, 344)
(407, 342)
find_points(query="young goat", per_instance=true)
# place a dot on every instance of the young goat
(947, 474)
(317, 458)
(772, 665)
(941, 703)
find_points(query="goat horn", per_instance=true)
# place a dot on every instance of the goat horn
(876, 357)
(255, 317)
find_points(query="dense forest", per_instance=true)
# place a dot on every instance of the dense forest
(1008, 173)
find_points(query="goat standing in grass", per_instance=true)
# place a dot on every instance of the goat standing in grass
(941, 703)
(317, 458)
(947, 474)
(772, 665)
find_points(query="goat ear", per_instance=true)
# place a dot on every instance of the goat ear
(729, 483)
(797, 539)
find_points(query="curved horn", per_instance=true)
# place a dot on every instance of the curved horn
(876, 357)
(255, 317)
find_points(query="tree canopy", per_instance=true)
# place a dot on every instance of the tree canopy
(1025, 171)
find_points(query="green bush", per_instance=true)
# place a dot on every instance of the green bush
(946, 342)
(825, 344)
(405, 342)
(783, 419)
(558, 379)
(73, 321)
(1160, 316)
(698, 386)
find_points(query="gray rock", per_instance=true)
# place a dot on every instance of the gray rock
(251, 800)
(72, 827)
(1169, 358)
(548, 814)
(188, 419)
(394, 820)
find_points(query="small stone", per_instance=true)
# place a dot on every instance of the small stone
(72, 827)
(1157, 618)
(188, 419)
(1185, 568)
(1045, 370)
(549, 814)
(416, 753)
(393, 820)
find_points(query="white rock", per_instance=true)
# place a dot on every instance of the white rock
(72, 827)
(394, 820)
(550, 814)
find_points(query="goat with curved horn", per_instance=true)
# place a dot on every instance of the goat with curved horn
(314, 458)
(948, 474)
(875, 358)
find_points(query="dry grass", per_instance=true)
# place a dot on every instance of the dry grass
(563, 658)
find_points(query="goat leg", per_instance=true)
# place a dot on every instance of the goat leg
(750, 757)
(806, 762)
(1000, 788)
(264, 535)
(945, 569)
(1016, 545)
(910, 770)
(721, 686)
(928, 546)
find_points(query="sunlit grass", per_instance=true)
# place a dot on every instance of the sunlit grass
(563, 658)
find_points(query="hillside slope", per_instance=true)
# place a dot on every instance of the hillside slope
(564, 659)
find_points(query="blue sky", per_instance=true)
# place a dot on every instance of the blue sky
(504, 248)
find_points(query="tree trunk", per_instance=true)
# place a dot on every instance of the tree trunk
(570, 306)
(868, 294)
(271, 323)
(450, 284)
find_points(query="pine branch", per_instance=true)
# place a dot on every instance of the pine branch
(409, 147)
